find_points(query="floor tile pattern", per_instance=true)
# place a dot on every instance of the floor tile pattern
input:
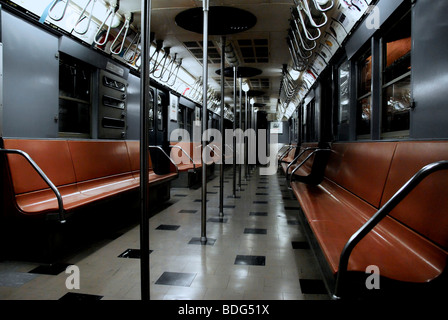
(256, 251)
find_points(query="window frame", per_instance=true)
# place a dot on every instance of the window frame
(396, 134)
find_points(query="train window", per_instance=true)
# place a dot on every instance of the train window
(74, 97)
(364, 108)
(344, 93)
(189, 120)
(309, 124)
(151, 111)
(397, 80)
(181, 117)
(159, 112)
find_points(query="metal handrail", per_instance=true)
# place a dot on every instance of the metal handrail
(175, 72)
(378, 216)
(302, 163)
(63, 12)
(296, 27)
(297, 158)
(287, 147)
(130, 59)
(82, 17)
(318, 6)
(286, 152)
(109, 14)
(178, 147)
(168, 68)
(308, 34)
(44, 177)
(125, 28)
(163, 151)
(161, 63)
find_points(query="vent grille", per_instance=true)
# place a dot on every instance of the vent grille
(196, 49)
(260, 84)
(254, 50)
(228, 82)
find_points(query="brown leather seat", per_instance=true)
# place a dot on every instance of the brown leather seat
(102, 168)
(32, 193)
(290, 156)
(409, 245)
(191, 151)
(83, 171)
(133, 147)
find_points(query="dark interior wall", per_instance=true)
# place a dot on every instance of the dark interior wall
(429, 78)
(30, 80)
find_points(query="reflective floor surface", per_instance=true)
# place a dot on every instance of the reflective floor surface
(256, 251)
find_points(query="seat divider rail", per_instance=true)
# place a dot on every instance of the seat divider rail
(378, 216)
(61, 212)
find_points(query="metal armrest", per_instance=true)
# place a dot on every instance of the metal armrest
(44, 177)
(297, 158)
(178, 147)
(285, 153)
(287, 148)
(379, 215)
(301, 164)
(163, 151)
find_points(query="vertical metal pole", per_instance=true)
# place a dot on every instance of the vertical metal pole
(241, 127)
(235, 70)
(1, 82)
(221, 169)
(246, 145)
(144, 152)
(204, 121)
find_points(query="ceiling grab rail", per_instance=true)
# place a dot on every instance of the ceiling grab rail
(318, 13)
(301, 44)
(318, 6)
(125, 28)
(168, 68)
(296, 63)
(134, 53)
(82, 17)
(176, 71)
(191, 89)
(55, 2)
(308, 35)
(161, 64)
(195, 89)
(297, 27)
(159, 46)
(295, 44)
(110, 14)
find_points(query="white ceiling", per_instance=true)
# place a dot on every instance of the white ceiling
(272, 24)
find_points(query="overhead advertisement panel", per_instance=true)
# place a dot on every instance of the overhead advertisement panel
(351, 12)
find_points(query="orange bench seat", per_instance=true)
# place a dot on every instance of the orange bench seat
(84, 172)
(410, 245)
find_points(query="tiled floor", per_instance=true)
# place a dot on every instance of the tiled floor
(257, 251)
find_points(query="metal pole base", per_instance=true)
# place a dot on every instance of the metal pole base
(203, 239)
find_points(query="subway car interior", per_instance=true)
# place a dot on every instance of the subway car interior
(223, 150)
